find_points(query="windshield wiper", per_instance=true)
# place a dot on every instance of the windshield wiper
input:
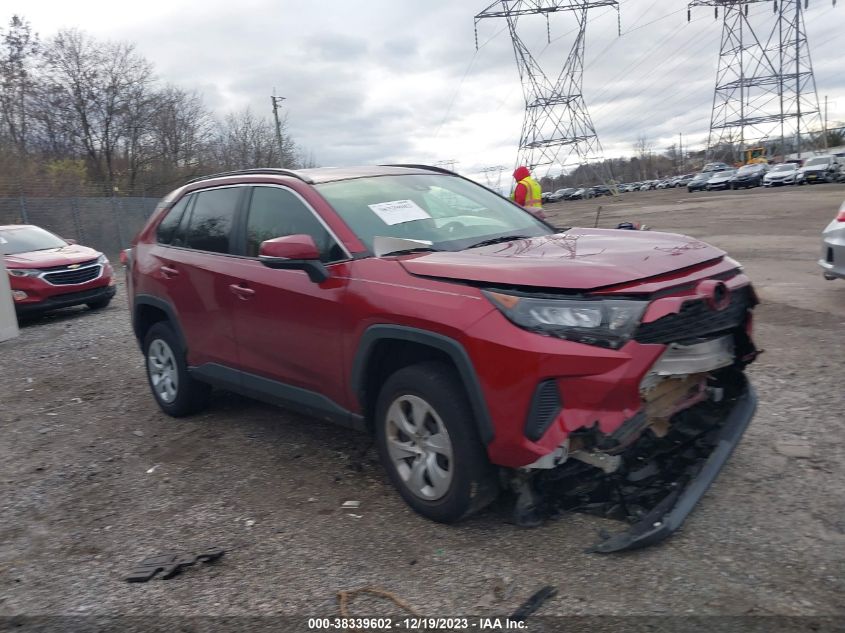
(412, 249)
(498, 240)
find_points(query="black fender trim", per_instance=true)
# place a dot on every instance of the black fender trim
(449, 346)
(274, 392)
(164, 306)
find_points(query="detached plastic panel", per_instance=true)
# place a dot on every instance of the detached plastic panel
(8, 319)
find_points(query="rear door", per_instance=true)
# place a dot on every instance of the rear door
(192, 263)
(289, 329)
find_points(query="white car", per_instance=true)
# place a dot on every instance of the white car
(783, 174)
(833, 247)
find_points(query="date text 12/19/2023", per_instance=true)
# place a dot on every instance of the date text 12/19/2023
(416, 624)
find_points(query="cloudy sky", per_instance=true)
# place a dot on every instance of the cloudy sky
(390, 80)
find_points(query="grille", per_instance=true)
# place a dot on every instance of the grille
(50, 269)
(545, 405)
(696, 319)
(70, 277)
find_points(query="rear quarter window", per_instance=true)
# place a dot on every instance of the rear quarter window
(167, 227)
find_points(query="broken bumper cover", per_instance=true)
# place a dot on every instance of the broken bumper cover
(670, 513)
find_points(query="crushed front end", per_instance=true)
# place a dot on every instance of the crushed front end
(642, 442)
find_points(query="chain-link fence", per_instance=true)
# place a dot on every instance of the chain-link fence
(102, 219)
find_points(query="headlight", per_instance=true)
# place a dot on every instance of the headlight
(24, 272)
(102, 259)
(604, 322)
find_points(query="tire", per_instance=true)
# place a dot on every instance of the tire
(465, 481)
(99, 304)
(177, 393)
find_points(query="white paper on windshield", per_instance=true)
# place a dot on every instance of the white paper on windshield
(399, 211)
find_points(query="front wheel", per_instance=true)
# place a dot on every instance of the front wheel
(429, 444)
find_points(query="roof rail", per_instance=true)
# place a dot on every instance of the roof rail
(260, 170)
(427, 167)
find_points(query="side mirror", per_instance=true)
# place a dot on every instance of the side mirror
(70, 241)
(294, 252)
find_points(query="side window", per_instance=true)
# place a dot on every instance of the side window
(180, 235)
(166, 228)
(210, 224)
(275, 212)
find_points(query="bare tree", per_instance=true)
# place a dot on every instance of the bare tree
(77, 102)
(643, 149)
(94, 89)
(18, 51)
(182, 131)
(246, 140)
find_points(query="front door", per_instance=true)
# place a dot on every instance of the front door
(289, 329)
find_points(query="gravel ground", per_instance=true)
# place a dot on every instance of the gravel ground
(93, 477)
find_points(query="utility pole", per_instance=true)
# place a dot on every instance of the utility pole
(824, 128)
(276, 101)
(681, 151)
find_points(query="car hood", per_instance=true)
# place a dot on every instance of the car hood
(64, 256)
(580, 259)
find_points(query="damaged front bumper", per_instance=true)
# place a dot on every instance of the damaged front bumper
(669, 515)
(660, 479)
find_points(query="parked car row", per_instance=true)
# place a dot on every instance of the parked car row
(718, 175)
(576, 193)
(817, 169)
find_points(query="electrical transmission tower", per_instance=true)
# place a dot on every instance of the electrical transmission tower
(765, 89)
(557, 129)
(493, 176)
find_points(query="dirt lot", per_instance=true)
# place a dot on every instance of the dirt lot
(93, 477)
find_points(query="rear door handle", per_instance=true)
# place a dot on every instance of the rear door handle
(242, 291)
(168, 272)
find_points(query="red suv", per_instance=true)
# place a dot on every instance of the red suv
(484, 348)
(47, 272)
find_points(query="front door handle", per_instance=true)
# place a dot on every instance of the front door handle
(168, 272)
(242, 292)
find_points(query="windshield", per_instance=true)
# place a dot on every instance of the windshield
(785, 167)
(448, 211)
(705, 175)
(26, 239)
(817, 161)
(749, 168)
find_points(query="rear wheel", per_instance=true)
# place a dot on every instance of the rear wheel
(429, 445)
(175, 390)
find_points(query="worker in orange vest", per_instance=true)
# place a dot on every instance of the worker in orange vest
(527, 193)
